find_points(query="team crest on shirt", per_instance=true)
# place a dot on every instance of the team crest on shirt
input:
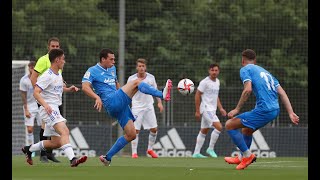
(112, 73)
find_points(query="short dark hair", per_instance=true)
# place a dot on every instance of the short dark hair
(31, 63)
(141, 60)
(214, 65)
(104, 53)
(54, 53)
(249, 54)
(53, 39)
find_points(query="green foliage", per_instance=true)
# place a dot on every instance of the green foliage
(181, 36)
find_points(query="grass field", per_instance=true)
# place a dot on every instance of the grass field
(145, 168)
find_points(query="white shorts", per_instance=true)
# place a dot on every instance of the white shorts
(208, 117)
(51, 120)
(34, 116)
(144, 117)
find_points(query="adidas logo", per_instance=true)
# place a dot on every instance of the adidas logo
(79, 144)
(259, 146)
(171, 145)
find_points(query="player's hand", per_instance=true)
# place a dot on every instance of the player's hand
(27, 113)
(197, 115)
(98, 104)
(232, 113)
(223, 112)
(160, 106)
(73, 88)
(48, 109)
(294, 118)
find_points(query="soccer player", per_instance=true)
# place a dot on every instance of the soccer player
(266, 89)
(143, 109)
(208, 94)
(30, 107)
(107, 92)
(41, 66)
(48, 92)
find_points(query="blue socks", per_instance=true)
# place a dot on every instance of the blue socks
(238, 140)
(247, 140)
(117, 146)
(147, 89)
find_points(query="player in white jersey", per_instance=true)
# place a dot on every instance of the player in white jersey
(143, 109)
(48, 92)
(208, 94)
(30, 107)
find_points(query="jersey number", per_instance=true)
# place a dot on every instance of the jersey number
(269, 82)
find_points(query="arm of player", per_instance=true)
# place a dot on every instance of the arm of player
(285, 100)
(160, 106)
(197, 100)
(87, 89)
(34, 76)
(25, 104)
(222, 111)
(244, 97)
(38, 97)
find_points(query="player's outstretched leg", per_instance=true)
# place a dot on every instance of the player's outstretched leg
(165, 94)
(76, 161)
(167, 90)
(104, 160)
(28, 154)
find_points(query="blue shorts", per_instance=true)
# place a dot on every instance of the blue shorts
(116, 105)
(256, 118)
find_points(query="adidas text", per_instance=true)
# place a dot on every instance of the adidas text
(173, 153)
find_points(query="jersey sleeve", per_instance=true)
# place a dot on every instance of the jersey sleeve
(88, 76)
(41, 65)
(129, 79)
(43, 81)
(22, 85)
(245, 75)
(154, 83)
(201, 86)
(275, 81)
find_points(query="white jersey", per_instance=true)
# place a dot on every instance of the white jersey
(141, 100)
(25, 85)
(52, 87)
(210, 92)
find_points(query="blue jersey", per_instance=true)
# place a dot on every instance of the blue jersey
(103, 80)
(264, 86)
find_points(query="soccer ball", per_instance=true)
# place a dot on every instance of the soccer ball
(185, 87)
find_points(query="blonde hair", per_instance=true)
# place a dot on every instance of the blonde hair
(141, 60)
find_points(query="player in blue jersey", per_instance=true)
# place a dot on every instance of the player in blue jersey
(266, 89)
(100, 83)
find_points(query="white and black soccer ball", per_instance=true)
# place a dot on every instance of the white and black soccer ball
(185, 86)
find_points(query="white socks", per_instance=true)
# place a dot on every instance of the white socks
(30, 139)
(134, 144)
(152, 139)
(214, 137)
(67, 148)
(200, 140)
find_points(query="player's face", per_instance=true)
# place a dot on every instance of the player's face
(54, 45)
(141, 68)
(214, 72)
(61, 61)
(31, 69)
(108, 61)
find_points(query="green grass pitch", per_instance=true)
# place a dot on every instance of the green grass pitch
(145, 168)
